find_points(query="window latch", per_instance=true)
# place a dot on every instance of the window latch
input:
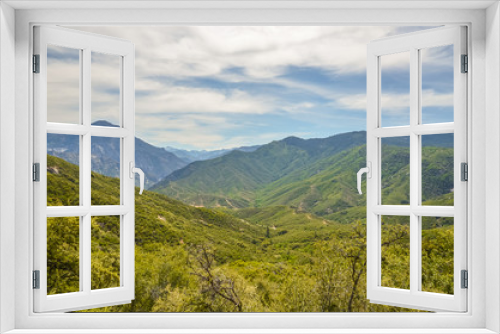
(134, 170)
(368, 171)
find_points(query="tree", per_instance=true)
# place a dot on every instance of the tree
(341, 270)
(202, 263)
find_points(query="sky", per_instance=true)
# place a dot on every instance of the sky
(213, 87)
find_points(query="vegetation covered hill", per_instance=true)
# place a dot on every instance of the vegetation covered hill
(233, 179)
(155, 162)
(316, 175)
(199, 155)
(266, 259)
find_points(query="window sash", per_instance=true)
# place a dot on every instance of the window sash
(86, 298)
(414, 298)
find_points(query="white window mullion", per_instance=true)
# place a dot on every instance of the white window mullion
(396, 131)
(373, 184)
(123, 176)
(405, 210)
(421, 129)
(433, 129)
(80, 131)
(127, 250)
(86, 179)
(414, 171)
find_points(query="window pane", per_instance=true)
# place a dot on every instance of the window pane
(395, 89)
(106, 78)
(437, 84)
(63, 85)
(63, 255)
(437, 254)
(105, 252)
(63, 170)
(395, 245)
(105, 171)
(437, 169)
(395, 171)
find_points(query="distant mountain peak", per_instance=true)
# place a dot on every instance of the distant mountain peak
(292, 140)
(201, 155)
(104, 123)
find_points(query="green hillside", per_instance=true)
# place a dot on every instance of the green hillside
(189, 259)
(323, 188)
(232, 180)
(316, 175)
(328, 186)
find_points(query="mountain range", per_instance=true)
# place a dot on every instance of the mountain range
(313, 175)
(231, 180)
(154, 161)
(200, 155)
(285, 254)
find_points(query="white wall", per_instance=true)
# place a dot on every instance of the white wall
(7, 160)
(23, 267)
(492, 164)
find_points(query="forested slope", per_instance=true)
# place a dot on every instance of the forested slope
(272, 259)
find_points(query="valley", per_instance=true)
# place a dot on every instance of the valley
(277, 229)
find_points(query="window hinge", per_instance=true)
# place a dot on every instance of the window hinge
(464, 171)
(465, 279)
(465, 64)
(36, 63)
(36, 279)
(36, 172)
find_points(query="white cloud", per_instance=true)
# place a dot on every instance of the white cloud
(298, 108)
(63, 92)
(395, 103)
(181, 99)
(152, 96)
(199, 116)
(191, 130)
(432, 99)
(260, 51)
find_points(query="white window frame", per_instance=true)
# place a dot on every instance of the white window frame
(484, 49)
(412, 44)
(86, 44)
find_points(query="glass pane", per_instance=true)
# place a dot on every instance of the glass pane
(63, 255)
(395, 89)
(105, 252)
(63, 85)
(437, 84)
(105, 171)
(437, 254)
(395, 245)
(63, 171)
(437, 169)
(395, 171)
(106, 78)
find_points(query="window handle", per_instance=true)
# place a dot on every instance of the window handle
(368, 171)
(134, 170)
